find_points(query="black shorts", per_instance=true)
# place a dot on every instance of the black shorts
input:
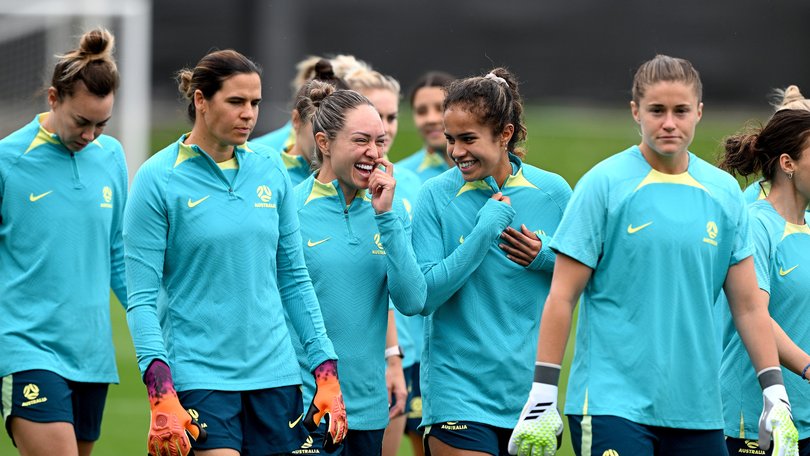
(356, 443)
(747, 447)
(259, 422)
(413, 408)
(45, 397)
(469, 435)
(605, 435)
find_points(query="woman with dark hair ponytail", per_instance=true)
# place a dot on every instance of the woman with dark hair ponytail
(481, 236)
(789, 98)
(214, 263)
(780, 153)
(63, 186)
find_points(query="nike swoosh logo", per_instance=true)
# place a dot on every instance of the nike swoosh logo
(631, 229)
(194, 203)
(313, 244)
(783, 272)
(33, 198)
(293, 423)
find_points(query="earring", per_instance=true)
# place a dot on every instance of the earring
(790, 175)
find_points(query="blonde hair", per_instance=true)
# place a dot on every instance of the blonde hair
(365, 79)
(791, 98)
(92, 63)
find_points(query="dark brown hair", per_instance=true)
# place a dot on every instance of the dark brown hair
(431, 79)
(758, 150)
(209, 74)
(92, 64)
(495, 99)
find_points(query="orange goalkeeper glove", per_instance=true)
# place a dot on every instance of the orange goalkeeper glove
(328, 404)
(169, 420)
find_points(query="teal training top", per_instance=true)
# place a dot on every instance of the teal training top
(212, 265)
(484, 309)
(60, 253)
(278, 139)
(409, 328)
(357, 260)
(425, 165)
(660, 246)
(297, 167)
(782, 261)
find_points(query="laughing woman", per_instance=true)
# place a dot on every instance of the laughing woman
(481, 233)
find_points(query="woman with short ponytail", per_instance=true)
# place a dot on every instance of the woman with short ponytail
(780, 153)
(63, 186)
(481, 236)
(789, 98)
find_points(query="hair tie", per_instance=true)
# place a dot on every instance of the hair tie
(496, 78)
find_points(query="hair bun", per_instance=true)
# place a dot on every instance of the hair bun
(319, 90)
(96, 44)
(323, 70)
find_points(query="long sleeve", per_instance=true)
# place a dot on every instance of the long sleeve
(145, 232)
(445, 275)
(295, 287)
(406, 284)
(118, 279)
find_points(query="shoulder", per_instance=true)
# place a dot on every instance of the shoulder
(15, 145)
(719, 183)
(443, 186)
(261, 148)
(545, 180)
(302, 191)
(413, 160)
(113, 150)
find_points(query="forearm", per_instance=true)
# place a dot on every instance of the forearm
(406, 284)
(144, 326)
(749, 308)
(555, 326)
(790, 354)
(391, 339)
(298, 297)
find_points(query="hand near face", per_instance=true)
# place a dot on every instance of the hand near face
(381, 184)
(521, 246)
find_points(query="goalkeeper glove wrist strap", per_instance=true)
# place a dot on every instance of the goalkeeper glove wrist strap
(546, 373)
(770, 376)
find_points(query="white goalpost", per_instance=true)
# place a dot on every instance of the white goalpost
(33, 31)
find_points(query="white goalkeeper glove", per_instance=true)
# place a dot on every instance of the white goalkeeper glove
(540, 427)
(776, 421)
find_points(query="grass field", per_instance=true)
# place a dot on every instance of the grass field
(566, 141)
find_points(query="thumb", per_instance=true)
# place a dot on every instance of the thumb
(196, 431)
(313, 418)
